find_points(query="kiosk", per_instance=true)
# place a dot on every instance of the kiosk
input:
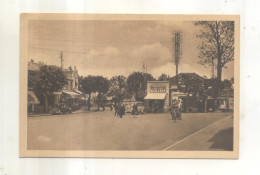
(157, 98)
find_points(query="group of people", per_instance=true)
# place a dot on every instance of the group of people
(176, 109)
(119, 110)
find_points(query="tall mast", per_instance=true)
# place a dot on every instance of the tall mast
(61, 60)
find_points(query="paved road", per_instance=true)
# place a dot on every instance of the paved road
(104, 131)
(217, 136)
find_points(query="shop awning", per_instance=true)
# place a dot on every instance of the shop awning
(155, 96)
(109, 98)
(77, 91)
(71, 93)
(32, 99)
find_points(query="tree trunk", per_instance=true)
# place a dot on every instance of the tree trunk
(206, 105)
(46, 104)
(187, 102)
(119, 98)
(219, 76)
(89, 95)
(136, 92)
(98, 101)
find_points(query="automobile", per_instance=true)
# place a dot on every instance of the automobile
(60, 109)
(129, 107)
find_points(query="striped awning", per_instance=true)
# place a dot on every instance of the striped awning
(77, 91)
(155, 96)
(71, 93)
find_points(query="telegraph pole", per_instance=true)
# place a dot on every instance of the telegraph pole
(143, 67)
(61, 59)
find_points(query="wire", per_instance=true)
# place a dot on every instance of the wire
(44, 49)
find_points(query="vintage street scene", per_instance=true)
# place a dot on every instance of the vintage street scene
(123, 85)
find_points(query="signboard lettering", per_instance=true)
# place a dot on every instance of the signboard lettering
(157, 89)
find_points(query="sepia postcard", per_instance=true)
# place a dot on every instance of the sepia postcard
(129, 86)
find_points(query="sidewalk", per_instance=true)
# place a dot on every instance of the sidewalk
(215, 137)
(44, 114)
(74, 112)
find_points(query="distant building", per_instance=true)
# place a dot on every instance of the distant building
(192, 102)
(226, 99)
(157, 98)
(34, 103)
(69, 94)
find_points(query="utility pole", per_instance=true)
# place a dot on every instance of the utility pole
(145, 77)
(143, 67)
(177, 39)
(61, 59)
(144, 71)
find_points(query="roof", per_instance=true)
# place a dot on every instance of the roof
(185, 75)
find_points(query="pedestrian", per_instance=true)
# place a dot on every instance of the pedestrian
(173, 110)
(135, 110)
(121, 110)
(179, 109)
(116, 109)
(111, 107)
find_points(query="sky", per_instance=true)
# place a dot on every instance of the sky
(117, 47)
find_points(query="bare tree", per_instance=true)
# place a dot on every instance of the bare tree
(217, 43)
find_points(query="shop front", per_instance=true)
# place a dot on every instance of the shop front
(71, 99)
(32, 101)
(157, 98)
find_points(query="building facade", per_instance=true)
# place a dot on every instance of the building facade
(157, 98)
(70, 95)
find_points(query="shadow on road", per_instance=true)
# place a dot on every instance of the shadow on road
(223, 140)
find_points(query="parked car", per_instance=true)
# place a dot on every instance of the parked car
(129, 107)
(60, 109)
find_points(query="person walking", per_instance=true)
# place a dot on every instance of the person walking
(156, 107)
(135, 110)
(173, 110)
(179, 109)
(121, 110)
(116, 109)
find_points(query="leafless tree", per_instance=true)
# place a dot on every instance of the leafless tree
(217, 43)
